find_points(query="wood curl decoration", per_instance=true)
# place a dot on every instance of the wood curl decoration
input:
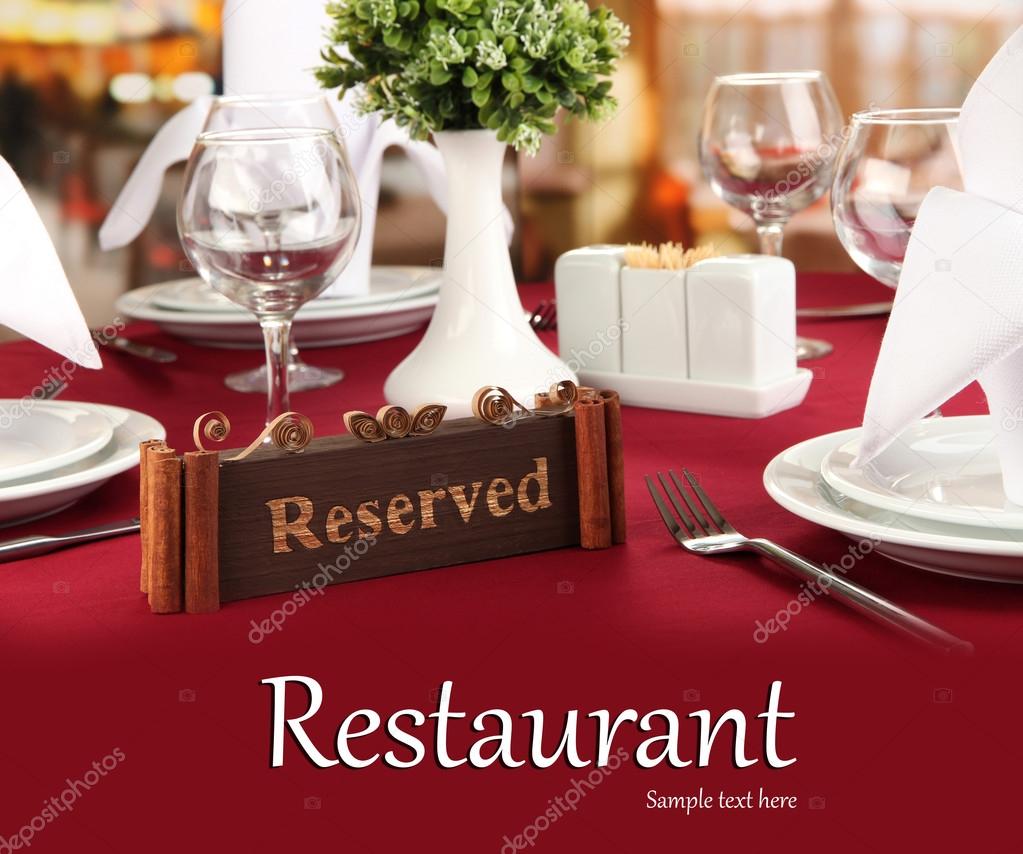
(394, 422)
(495, 405)
(427, 418)
(290, 431)
(364, 426)
(557, 400)
(213, 426)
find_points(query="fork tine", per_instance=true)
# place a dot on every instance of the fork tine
(547, 318)
(552, 319)
(669, 520)
(683, 516)
(719, 520)
(535, 317)
(701, 520)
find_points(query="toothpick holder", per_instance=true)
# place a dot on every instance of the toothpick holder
(717, 338)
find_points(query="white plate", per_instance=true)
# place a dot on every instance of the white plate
(38, 436)
(329, 327)
(793, 479)
(386, 285)
(944, 469)
(28, 499)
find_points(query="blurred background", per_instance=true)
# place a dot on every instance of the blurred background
(84, 85)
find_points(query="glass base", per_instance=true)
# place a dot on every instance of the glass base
(811, 348)
(301, 377)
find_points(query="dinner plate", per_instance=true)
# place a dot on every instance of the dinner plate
(386, 284)
(31, 498)
(328, 327)
(943, 469)
(37, 436)
(794, 481)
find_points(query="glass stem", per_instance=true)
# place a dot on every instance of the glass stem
(277, 338)
(769, 234)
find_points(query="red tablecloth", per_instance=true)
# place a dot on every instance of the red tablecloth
(896, 748)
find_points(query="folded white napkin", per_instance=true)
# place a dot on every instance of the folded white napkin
(35, 297)
(137, 200)
(958, 313)
(294, 37)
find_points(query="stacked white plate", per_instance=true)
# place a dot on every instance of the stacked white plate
(400, 300)
(54, 452)
(933, 500)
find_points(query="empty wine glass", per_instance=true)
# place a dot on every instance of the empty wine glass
(767, 145)
(890, 161)
(245, 112)
(270, 217)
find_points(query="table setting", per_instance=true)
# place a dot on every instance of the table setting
(278, 209)
(666, 476)
(934, 492)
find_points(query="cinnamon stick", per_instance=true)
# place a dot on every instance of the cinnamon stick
(591, 460)
(163, 543)
(202, 572)
(143, 503)
(615, 462)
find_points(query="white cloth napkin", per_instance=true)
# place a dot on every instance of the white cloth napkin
(958, 312)
(269, 49)
(35, 297)
(137, 200)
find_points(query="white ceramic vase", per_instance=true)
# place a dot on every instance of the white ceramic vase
(479, 334)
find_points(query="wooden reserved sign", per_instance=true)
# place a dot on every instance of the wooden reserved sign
(468, 492)
(216, 528)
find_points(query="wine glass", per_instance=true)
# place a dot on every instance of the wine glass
(270, 217)
(890, 161)
(767, 145)
(295, 109)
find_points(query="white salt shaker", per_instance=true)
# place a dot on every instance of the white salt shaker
(741, 319)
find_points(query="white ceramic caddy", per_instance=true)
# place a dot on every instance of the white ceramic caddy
(717, 338)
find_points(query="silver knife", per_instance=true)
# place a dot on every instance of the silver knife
(867, 309)
(143, 351)
(42, 544)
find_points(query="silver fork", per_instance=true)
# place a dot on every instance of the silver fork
(704, 531)
(544, 316)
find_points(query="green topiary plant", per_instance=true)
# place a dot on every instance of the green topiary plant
(506, 65)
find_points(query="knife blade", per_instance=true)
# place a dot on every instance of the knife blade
(867, 309)
(41, 544)
(143, 351)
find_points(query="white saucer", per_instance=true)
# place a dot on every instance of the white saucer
(327, 327)
(29, 498)
(793, 479)
(944, 469)
(37, 436)
(387, 284)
